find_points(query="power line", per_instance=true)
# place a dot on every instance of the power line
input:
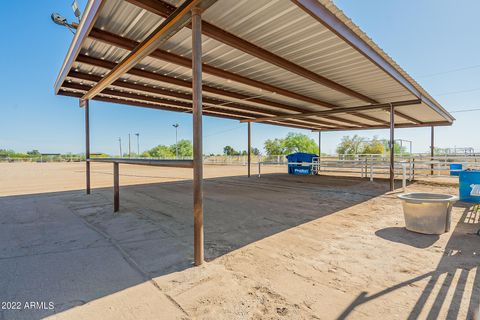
(465, 110)
(456, 92)
(223, 131)
(450, 71)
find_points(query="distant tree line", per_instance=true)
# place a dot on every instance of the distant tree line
(230, 151)
(361, 145)
(293, 142)
(4, 153)
(185, 149)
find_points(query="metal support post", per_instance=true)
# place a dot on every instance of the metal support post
(392, 148)
(319, 151)
(86, 105)
(197, 137)
(432, 148)
(116, 187)
(249, 151)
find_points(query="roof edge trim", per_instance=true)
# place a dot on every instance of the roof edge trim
(89, 17)
(397, 126)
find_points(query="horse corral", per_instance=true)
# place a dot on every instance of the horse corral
(205, 237)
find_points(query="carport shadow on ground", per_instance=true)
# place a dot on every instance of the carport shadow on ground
(462, 246)
(70, 248)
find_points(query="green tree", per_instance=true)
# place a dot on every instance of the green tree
(159, 151)
(293, 142)
(33, 153)
(375, 146)
(298, 142)
(351, 145)
(255, 151)
(229, 151)
(185, 148)
(274, 147)
(396, 147)
(4, 153)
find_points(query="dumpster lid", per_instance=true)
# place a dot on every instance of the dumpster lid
(301, 156)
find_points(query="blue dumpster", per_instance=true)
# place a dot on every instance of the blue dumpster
(455, 169)
(467, 179)
(304, 158)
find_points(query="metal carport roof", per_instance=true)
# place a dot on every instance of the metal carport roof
(263, 60)
(300, 64)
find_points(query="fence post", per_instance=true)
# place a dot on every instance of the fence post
(366, 166)
(404, 177)
(371, 171)
(410, 170)
(413, 169)
(259, 165)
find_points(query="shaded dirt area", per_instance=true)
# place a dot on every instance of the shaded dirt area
(278, 247)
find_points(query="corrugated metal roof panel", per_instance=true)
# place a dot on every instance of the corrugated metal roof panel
(279, 27)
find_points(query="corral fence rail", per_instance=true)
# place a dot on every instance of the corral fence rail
(371, 166)
(59, 158)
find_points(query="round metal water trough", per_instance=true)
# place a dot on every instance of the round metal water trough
(428, 213)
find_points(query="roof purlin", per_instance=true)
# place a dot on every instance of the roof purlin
(169, 27)
(128, 44)
(163, 9)
(187, 84)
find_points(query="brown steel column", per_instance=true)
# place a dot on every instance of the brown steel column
(116, 187)
(319, 143)
(319, 151)
(249, 151)
(392, 148)
(87, 142)
(197, 136)
(432, 148)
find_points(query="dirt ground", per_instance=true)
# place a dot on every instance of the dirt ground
(277, 247)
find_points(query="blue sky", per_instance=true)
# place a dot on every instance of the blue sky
(426, 37)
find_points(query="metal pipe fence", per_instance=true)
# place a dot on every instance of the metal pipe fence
(364, 165)
(63, 158)
(373, 166)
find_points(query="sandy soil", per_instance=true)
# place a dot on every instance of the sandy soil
(278, 247)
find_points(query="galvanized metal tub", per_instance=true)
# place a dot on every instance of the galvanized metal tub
(428, 213)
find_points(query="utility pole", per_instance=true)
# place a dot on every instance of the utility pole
(120, 145)
(129, 145)
(138, 144)
(176, 125)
